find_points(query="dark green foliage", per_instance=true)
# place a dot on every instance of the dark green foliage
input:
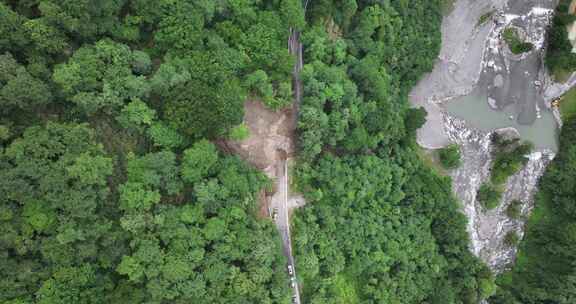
(134, 219)
(54, 228)
(157, 170)
(516, 45)
(559, 55)
(18, 88)
(375, 216)
(164, 136)
(12, 33)
(136, 115)
(485, 17)
(293, 13)
(509, 157)
(511, 238)
(200, 111)
(355, 85)
(65, 232)
(394, 221)
(145, 210)
(4, 133)
(367, 199)
(489, 196)
(514, 210)
(88, 19)
(101, 77)
(198, 161)
(240, 132)
(259, 83)
(207, 249)
(45, 37)
(450, 156)
(415, 119)
(216, 54)
(543, 272)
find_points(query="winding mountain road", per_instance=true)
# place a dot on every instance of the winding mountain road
(279, 201)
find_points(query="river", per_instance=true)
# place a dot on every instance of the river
(475, 110)
(510, 89)
(477, 86)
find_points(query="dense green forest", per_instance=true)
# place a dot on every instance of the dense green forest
(379, 226)
(559, 57)
(111, 190)
(449, 156)
(544, 271)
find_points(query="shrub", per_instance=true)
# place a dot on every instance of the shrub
(136, 115)
(488, 196)
(486, 282)
(514, 209)
(4, 132)
(486, 287)
(509, 158)
(511, 238)
(165, 136)
(559, 56)
(239, 132)
(450, 156)
(516, 45)
(485, 17)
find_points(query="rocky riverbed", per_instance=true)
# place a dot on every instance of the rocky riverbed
(488, 229)
(475, 61)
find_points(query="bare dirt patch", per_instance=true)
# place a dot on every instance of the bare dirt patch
(271, 137)
(264, 204)
(572, 7)
(334, 32)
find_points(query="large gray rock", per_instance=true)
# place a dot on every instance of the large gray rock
(508, 133)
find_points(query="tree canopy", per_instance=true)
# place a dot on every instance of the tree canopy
(110, 190)
(113, 191)
(379, 226)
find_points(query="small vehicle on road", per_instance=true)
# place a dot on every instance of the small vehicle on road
(275, 213)
(292, 282)
(290, 270)
(294, 300)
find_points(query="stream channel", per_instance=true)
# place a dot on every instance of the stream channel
(479, 86)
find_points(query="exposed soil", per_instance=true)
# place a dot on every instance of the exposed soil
(271, 137)
(270, 147)
(263, 203)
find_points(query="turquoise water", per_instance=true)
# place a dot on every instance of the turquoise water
(543, 133)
